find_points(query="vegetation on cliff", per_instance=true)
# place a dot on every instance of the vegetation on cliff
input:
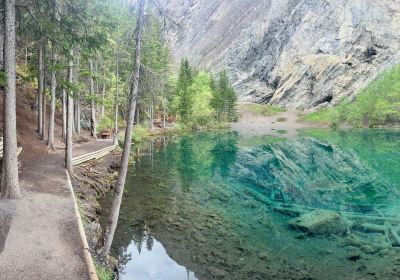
(377, 104)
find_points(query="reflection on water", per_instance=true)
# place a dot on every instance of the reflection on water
(151, 261)
(224, 207)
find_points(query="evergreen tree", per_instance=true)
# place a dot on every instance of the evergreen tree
(224, 99)
(216, 102)
(185, 80)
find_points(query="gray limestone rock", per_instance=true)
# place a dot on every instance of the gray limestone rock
(303, 54)
(320, 222)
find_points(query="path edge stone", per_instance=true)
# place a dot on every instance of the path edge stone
(86, 250)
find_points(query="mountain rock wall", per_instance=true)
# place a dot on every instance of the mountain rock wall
(295, 53)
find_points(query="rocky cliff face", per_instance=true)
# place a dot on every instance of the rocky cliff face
(297, 53)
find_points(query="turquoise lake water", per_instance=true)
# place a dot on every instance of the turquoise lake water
(214, 205)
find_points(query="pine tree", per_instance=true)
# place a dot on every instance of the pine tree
(185, 80)
(216, 102)
(224, 100)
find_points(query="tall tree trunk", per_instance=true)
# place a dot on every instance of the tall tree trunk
(137, 113)
(70, 115)
(152, 114)
(40, 87)
(64, 114)
(103, 93)
(77, 101)
(9, 180)
(51, 144)
(119, 188)
(164, 107)
(93, 129)
(44, 98)
(115, 135)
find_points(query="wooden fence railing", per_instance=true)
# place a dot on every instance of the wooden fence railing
(93, 155)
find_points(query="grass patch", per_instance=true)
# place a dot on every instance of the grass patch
(81, 211)
(102, 272)
(323, 116)
(262, 109)
(281, 119)
(281, 131)
(376, 105)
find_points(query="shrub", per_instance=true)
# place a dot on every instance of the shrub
(105, 123)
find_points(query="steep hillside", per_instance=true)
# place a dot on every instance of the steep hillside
(297, 53)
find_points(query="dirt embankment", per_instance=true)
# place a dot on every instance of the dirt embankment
(92, 181)
(27, 123)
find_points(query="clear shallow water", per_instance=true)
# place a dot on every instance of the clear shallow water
(151, 261)
(220, 205)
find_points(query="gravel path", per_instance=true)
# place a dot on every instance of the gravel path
(39, 236)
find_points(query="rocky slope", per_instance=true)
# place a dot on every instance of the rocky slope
(297, 53)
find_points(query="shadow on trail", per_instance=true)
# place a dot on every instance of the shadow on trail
(7, 211)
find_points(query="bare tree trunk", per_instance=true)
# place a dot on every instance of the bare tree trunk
(115, 136)
(119, 188)
(77, 101)
(44, 98)
(9, 180)
(70, 121)
(40, 87)
(50, 144)
(64, 114)
(152, 114)
(93, 130)
(164, 108)
(137, 113)
(103, 93)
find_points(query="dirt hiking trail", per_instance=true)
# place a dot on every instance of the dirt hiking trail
(39, 233)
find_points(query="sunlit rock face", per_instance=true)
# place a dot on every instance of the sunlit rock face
(297, 53)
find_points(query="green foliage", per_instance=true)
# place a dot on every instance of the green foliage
(185, 80)
(375, 105)
(224, 100)
(139, 133)
(201, 101)
(2, 78)
(103, 272)
(200, 90)
(262, 109)
(282, 131)
(105, 123)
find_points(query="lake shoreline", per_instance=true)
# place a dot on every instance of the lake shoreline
(249, 125)
(91, 182)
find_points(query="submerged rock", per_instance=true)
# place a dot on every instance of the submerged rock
(320, 222)
(353, 256)
(368, 249)
(263, 256)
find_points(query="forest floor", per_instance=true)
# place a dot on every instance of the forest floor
(39, 233)
(286, 124)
